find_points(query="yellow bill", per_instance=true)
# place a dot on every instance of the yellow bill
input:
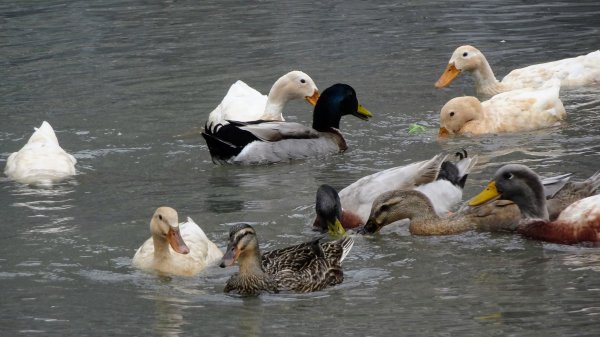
(363, 113)
(336, 228)
(486, 195)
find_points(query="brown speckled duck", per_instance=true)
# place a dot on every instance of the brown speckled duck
(309, 266)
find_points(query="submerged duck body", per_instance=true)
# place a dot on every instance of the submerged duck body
(579, 222)
(41, 161)
(309, 266)
(243, 103)
(573, 72)
(177, 249)
(263, 142)
(518, 110)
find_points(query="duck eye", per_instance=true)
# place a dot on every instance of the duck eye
(384, 208)
(159, 217)
(451, 113)
(465, 54)
(302, 81)
(508, 176)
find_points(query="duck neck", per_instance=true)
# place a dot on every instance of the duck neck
(161, 248)
(250, 263)
(437, 226)
(533, 206)
(485, 80)
(324, 120)
(276, 101)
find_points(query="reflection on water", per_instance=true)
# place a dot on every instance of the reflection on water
(128, 85)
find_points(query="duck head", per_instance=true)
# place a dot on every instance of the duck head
(519, 184)
(165, 227)
(464, 58)
(335, 102)
(329, 210)
(295, 85)
(242, 244)
(457, 112)
(396, 205)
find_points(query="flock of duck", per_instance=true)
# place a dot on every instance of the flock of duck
(249, 128)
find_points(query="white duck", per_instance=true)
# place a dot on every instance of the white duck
(243, 103)
(517, 110)
(41, 161)
(440, 180)
(573, 72)
(190, 249)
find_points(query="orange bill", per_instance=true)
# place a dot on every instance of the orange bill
(176, 241)
(443, 132)
(448, 76)
(313, 99)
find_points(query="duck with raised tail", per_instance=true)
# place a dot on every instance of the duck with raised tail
(573, 72)
(41, 161)
(243, 103)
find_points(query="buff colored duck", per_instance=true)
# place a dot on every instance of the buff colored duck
(573, 72)
(261, 142)
(243, 103)
(41, 161)
(518, 110)
(309, 266)
(439, 179)
(579, 222)
(178, 249)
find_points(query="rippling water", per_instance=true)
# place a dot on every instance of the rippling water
(127, 86)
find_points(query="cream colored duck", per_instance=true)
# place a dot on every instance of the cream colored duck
(178, 249)
(573, 72)
(440, 180)
(579, 222)
(41, 161)
(243, 103)
(517, 110)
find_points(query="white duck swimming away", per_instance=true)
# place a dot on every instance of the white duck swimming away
(41, 161)
(243, 103)
(573, 72)
(261, 142)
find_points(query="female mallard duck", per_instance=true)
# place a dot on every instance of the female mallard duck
(41, 161)
(261, 142)
(243, 103)
(579, 222)
(441, 180)
(309, 266)
(191, 251)
(331, 217)
(573, 72)
(518, 110)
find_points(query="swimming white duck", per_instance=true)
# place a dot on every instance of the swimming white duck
(41, 161)
(573, 72)
(579, 222)
(511, 111)
(190, 249)
(440, 180)
(260, 142)
(243, 103)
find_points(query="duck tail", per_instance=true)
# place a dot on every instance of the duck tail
(226, 141)
(346, 243)
(457, 173)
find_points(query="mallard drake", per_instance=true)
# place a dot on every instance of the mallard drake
(190, 249)
(573, 72)
(243, 103)
(331, 217)
(41, 161)
(517, 110)
(440, 180)
(309, 266)
(261, 142)
(579, 222)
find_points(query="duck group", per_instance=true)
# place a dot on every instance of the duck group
(248, 128)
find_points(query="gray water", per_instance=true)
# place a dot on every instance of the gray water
(127, 86)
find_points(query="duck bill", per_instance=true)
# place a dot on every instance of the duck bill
(490, 193)
(230, 256)
(176, 241)
(363, 113)
(443, 132)
(314, 98)
(448, 76)
(370, 227)
(336, 228)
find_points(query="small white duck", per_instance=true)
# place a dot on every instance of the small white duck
(517, 110)
(190, 249)
(41, 161)
(243, 103)
(440, 180)
(573, 72)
